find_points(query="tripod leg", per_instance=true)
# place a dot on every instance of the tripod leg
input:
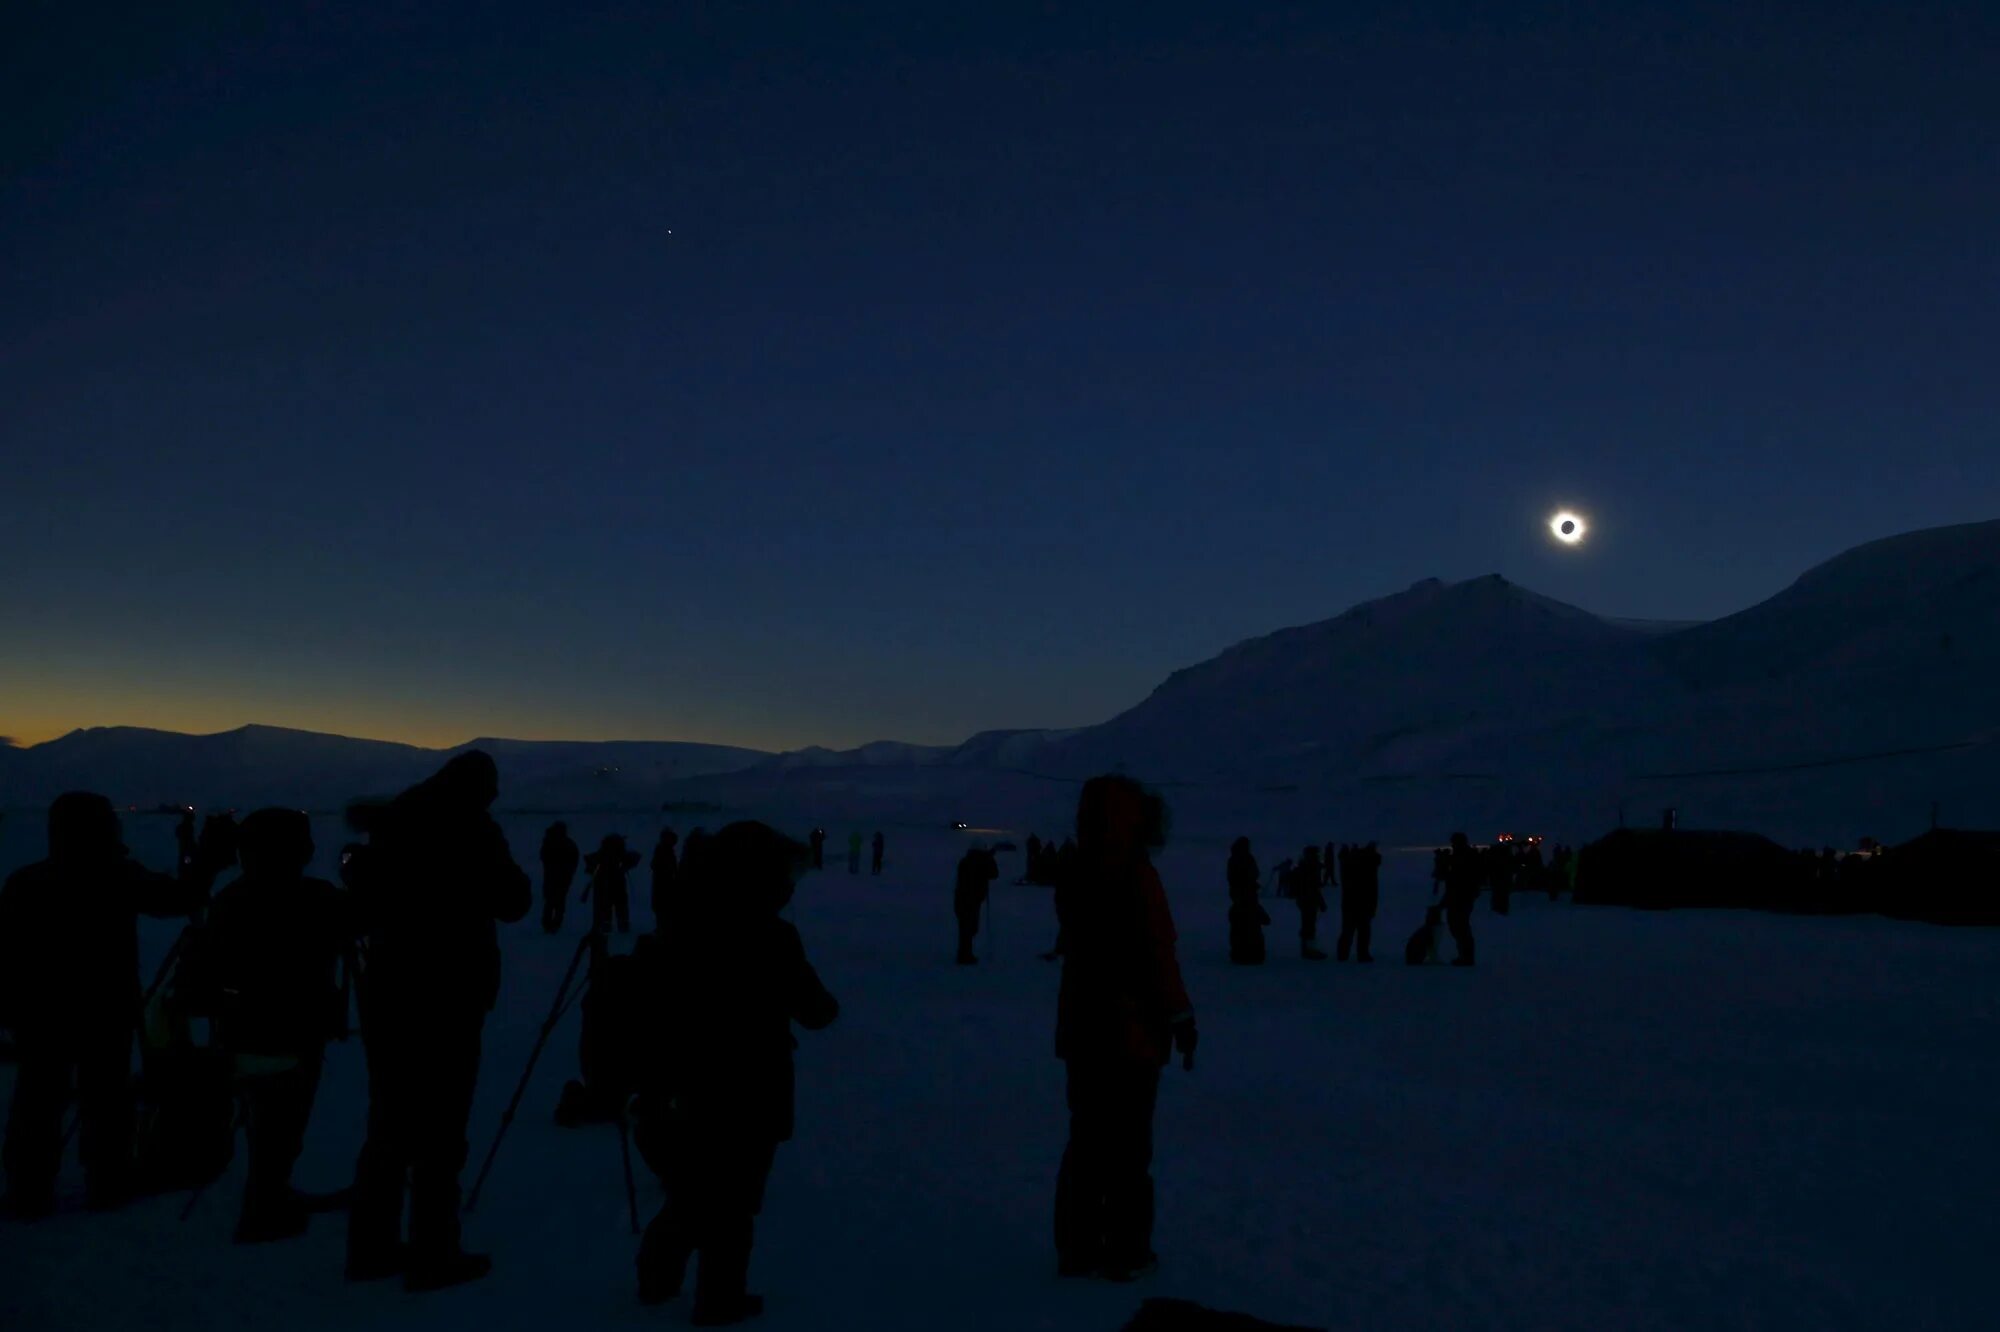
(625, 1151)
(556, 1011)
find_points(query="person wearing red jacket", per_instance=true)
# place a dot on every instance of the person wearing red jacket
(1121, 1012)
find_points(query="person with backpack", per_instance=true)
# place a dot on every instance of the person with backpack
(262, 968)
(977, 869)
(1122, 1010)
(436, 881)
(69, 992)
(608, 867)
(716, 1082)
(560, 858)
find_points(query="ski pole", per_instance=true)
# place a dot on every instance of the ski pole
(556, 1011)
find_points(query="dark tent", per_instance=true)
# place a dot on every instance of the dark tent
(1948, 875)
(1654, 867)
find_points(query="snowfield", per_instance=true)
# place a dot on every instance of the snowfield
(1620, 1120)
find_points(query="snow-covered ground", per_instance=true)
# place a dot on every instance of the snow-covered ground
(1619, 1120)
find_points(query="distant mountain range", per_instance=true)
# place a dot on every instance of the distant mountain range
(1848, 702)
(257, 765)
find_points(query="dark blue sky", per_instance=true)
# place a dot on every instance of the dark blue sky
(785, 373)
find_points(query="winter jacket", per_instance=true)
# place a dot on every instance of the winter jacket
(263, 964)
(438, 877)
(729, 985)
(1122, 993)
(69, 941)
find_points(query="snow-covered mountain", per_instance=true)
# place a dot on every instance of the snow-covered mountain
(255, 765)
(1845, 705)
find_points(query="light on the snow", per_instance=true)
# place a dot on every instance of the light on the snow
(1567, 527)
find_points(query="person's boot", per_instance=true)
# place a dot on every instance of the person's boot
(720, 1297)
(377, 1262)
(439, 1271)
(266, 1218)
(1134, 1268)
(28, 1204)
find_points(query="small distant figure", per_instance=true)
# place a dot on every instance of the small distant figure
(664, 866)
(184, 839)
(1032, 872)
(1464, 875)
(875, 857)
(1422, 948)
(718, 1098)
(1360, 897)
(977, 869)
(1121, 1013)
(1282, 877)
(560, 857)
(438, 880)
(818, 841)
(263, 969)
(69, 991)
(854, 852)
(1247, 917)
(1311, 900)
(608, 866)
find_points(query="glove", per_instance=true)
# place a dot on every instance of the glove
(1185, 1039)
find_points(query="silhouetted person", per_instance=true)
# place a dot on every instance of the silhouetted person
(69, 991)
(1328, 860)
(1121, 1012)
(215, 851)
(184, 840)
(718, 1097)
(1247, 917)
(977, 869)
(818, 840)
(560, 857)
(1360, 896)
(1464, 873)
(854, 852)
(1283, 876)
(875, 862)
(1035, 868)
(608, 867)
(1311, 900)
(665, 865)
(262, 967)
(438, 878)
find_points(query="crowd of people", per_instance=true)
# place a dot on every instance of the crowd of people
(277, 961)
(688, 1036)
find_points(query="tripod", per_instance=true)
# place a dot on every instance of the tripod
(567, 994)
